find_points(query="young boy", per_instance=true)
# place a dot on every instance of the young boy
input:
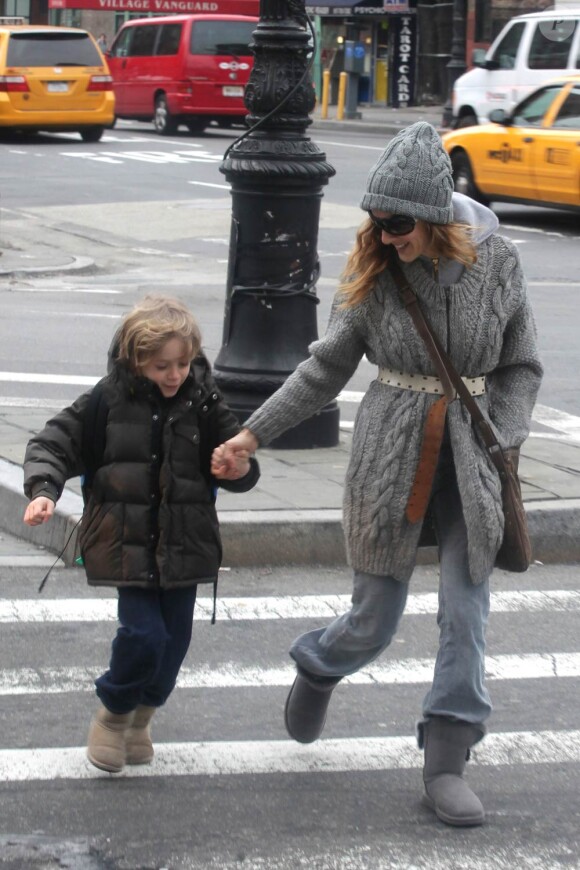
(143, 438)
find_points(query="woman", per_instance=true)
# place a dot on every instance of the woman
(471, 288)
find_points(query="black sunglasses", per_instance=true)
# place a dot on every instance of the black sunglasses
(397, 225)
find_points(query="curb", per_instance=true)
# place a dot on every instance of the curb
(285, 537)
(79, 264)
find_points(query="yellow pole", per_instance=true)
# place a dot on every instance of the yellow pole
(325, 93)
(341, 96)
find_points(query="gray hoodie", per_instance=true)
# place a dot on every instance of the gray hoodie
(484, 223)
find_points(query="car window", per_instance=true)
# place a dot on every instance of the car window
(52, 49)
(120, 47)
(222, 37)
(568, 117)
(169, 39)
(551, 43)
(505, 53)
(530, 112)
(143, 41)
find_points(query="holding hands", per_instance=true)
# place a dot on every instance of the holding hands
(231, 460)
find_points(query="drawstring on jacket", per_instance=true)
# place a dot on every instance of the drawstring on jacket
(215, 583)
(68, 540)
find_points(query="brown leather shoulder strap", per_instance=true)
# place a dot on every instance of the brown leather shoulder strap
(450, 378)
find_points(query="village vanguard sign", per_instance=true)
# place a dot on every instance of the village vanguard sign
(190, 7)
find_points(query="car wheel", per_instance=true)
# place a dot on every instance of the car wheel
(93, 134)
(466, 121)
(463, 177)
(163, 121)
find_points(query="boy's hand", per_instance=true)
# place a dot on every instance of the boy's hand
(232, 457)
(39, 511)
(231, 460)
(229, 465)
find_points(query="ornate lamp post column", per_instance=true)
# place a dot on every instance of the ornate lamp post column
(277, 175)
(456, 65)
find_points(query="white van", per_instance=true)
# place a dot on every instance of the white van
(530, 49)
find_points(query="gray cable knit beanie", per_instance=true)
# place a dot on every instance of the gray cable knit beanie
(412, 177)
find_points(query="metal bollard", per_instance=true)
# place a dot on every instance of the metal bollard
(325, 94)
(342, 80)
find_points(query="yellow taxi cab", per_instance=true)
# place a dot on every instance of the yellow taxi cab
(531, 155)
(54, 78)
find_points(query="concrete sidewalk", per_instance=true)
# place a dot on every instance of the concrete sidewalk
(294, 515)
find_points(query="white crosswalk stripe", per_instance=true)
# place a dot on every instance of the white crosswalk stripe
(534, 666)
(281, 756)
(284, 607)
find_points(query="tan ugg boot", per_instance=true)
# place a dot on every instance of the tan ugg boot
(138, 746)
(106, 742)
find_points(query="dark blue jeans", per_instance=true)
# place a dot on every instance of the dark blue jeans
(149, 647)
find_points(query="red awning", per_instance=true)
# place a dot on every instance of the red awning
(175, 7)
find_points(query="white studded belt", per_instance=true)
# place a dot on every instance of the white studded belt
(425, 383)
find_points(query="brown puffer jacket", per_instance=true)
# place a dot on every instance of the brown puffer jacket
(150, 519)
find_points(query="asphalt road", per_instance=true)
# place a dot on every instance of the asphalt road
(228, 789)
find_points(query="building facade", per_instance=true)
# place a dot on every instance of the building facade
(402, 47)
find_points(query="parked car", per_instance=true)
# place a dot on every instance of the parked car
(54, 78)
(531, 155)
(182, 69)
(529, 49)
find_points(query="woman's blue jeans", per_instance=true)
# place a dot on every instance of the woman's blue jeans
(149, 647)
(355, 639)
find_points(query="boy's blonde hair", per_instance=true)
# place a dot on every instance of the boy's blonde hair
(152, 323)
(368, 257)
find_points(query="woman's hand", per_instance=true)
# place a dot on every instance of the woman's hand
(231, 460)
(39, 511)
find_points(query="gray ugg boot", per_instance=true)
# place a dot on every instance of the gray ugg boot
(138, 746)
(447, 744)
(106, 741)
(306, 706)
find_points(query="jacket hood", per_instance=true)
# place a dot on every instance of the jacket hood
(484, 223)
(113, 352)
(480, 217)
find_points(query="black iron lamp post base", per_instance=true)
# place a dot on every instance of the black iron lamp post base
(276, 175)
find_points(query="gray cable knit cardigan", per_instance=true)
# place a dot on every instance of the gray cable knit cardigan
(486, 322)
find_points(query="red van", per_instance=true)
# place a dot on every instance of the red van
(182, 69)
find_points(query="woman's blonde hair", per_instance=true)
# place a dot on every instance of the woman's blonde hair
(368, 256)
(152, 323)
